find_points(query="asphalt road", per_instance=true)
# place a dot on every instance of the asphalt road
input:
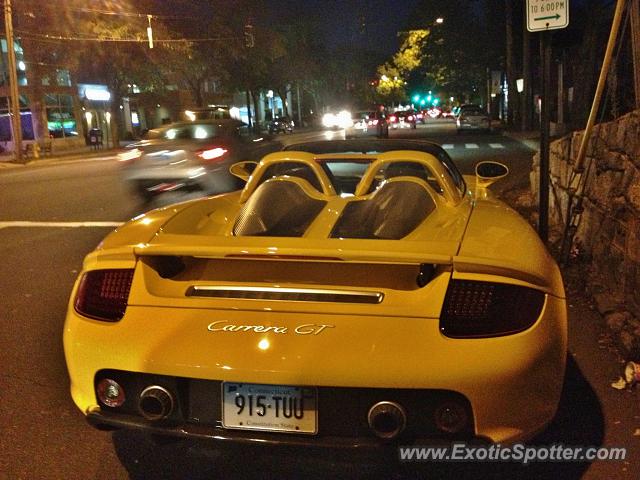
(67, 207)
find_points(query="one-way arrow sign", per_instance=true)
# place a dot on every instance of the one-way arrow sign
(547, 14)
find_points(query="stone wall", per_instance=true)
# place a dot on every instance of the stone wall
(608, 235)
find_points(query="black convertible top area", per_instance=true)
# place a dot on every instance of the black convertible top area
(378, 145)
(367, 146)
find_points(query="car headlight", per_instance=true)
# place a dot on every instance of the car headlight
(484, 309)
(103, 294)
(329, 120)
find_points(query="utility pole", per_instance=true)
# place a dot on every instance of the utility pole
(16, 126)
(635, 44)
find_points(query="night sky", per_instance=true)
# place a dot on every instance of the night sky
(340, 20)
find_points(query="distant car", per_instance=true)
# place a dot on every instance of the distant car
(406, 119)
(473, 117)
(357, 295)
(212, 112)
(448, 114)
(434, 112)
(364, 120)
(280, 125)
(191, 157)
(363, 123)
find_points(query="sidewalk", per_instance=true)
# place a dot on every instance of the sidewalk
(82, 153)
(530, 139)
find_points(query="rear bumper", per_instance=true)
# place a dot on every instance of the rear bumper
(512, 383)
(222, 437)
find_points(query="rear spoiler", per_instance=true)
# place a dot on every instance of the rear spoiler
(332, 250)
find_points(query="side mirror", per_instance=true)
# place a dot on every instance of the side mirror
(243, 170)
(489, 172)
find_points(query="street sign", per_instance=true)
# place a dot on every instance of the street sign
(547, 15)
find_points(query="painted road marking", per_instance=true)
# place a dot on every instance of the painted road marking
(23, 224)
(471, 145)
(496, 145)
(447, 146)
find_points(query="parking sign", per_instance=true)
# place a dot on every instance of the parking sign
(547, 15)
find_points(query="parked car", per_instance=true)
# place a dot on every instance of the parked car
(473, 117)
(358, 294)
(280, 125)
(192, 156)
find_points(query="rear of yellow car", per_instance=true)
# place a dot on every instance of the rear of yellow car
(407, 310)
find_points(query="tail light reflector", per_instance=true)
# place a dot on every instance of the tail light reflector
(103, 294)
(483, 309)
(212, 153)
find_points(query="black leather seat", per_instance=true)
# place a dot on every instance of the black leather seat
(278, 208)
(391, 213)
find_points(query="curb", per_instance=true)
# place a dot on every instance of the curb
(531, 140)
(60, 159)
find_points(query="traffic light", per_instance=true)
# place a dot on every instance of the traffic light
(249, 41)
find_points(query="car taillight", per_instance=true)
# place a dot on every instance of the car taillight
(212, 153)
(103, 294)
(393, 118)
(483, 309)
(375, 122)
(410, 118)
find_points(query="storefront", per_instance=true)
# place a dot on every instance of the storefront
(96, 111)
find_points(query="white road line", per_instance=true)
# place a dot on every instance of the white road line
(496, 145)
(23, 224)
(471, 145)
(447, 146)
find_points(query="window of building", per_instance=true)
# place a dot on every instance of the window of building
(63, 78)
(60, 118)
(26, 120)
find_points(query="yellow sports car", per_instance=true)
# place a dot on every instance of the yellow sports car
(357, 293)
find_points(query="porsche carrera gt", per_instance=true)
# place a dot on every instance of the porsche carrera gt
(356, 294)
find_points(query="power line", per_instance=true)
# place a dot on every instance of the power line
(59, 38)
(131, 14)
(31, 14)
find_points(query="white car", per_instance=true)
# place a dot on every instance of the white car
(473, 117)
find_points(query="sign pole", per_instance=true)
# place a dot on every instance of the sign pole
(545, 57)
(544, 16)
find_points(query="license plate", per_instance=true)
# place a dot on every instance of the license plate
(280, 408)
